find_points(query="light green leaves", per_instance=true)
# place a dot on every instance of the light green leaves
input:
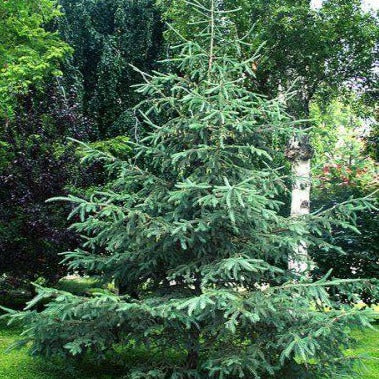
(28, 53)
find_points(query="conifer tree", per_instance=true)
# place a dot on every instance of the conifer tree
(193, 234)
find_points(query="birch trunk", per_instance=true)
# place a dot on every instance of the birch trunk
(299, 152)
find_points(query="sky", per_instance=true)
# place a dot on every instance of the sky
(367, 4)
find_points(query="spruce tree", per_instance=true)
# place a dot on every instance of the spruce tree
(195, 236)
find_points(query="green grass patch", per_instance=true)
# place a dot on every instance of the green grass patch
(18, 364)
(84, 286)
(80, 286)
(368, 347)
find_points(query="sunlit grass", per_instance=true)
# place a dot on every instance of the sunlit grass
(368, 346)
(18, 364)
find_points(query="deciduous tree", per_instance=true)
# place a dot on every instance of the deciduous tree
(28, 52)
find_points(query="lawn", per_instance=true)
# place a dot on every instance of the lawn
(368, 344)
(18, 365)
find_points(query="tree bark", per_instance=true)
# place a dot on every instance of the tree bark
(192, 359)
(300, 152)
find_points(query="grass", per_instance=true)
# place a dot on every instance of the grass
(79, 286)
(18, 364)
(368, 344)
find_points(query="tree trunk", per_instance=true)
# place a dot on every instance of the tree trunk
(192, 359)
(300, 152)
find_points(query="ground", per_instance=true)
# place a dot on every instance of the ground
(18, 365)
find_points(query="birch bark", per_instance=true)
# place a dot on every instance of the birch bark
(300, 152)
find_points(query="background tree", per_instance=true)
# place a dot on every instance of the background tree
(343, 168)
(30, 57)
(192, 230)
(310, 51)
(108, 36)
(28, 52)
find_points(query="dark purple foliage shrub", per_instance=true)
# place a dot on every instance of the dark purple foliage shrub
(39, 162)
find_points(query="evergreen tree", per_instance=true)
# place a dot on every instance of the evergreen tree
(192, 233)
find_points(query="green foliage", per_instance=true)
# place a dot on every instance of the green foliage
(342, 168)
(314, 51)
(18, 364)
(28, 52)
(306, 50)
(108, 36)
(118, 146)
(339, 140)
(79, 286)
(193, 234)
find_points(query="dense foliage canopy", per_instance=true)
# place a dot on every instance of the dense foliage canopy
(306, 49)
(51, 91)
(107, 37)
